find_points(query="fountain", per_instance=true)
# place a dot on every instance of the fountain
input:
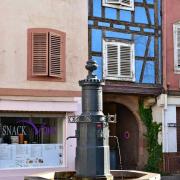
(92, 151)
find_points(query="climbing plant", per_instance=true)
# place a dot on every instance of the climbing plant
(153, 147)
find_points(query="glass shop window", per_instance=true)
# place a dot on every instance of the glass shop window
(31, 142)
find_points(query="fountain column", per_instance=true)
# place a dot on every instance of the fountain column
(92, 151)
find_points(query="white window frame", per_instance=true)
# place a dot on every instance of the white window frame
(119, 5)
(175, 29)
(119, 77)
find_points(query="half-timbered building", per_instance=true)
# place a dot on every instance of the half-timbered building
(125, 41)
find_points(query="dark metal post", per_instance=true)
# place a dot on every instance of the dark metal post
(92, 151)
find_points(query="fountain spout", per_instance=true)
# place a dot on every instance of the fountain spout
(71, 137)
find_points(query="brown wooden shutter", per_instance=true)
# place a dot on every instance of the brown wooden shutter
(56, 54)
(40, 53)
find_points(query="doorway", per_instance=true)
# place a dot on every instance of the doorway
(127, 131)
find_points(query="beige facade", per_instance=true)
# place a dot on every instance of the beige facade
(18, 16)
(25, 99)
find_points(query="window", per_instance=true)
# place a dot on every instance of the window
(46, 54)
(177, 48)
(26, 140)
(119, 4)
(113, 1)
(118, 61)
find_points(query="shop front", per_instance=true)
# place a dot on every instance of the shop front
(35, 141)
(31, 141)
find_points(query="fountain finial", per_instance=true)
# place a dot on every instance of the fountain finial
(91, 66)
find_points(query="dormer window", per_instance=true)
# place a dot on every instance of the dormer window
(119, 4)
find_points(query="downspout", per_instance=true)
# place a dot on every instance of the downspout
(164, 58)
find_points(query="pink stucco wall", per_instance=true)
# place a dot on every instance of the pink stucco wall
(21, 95)
(171, 15)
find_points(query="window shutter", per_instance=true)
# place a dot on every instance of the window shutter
(112, 59)
(113, 1)
(128, 3)
(119, 61)
(39, 53)
(125, 61)
(119, 4)
(55, 54)
(177, 47)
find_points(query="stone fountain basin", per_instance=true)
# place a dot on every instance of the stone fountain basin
(117, 174)
(131, 174)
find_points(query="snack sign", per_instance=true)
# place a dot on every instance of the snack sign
(15, 130)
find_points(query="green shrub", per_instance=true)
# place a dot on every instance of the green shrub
(153, 147)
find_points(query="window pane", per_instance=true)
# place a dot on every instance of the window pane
(27, 142)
